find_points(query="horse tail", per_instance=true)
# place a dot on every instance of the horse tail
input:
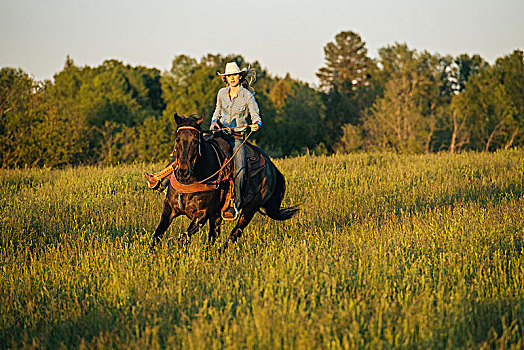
(272, 206)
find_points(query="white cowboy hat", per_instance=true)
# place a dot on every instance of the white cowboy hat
(232, 68)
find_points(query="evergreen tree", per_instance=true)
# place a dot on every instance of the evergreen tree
(347, 82)
(347, 64)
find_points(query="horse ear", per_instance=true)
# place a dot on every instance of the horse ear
(178, 119)
(201, 119)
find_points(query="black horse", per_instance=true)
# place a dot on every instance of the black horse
(199, 158)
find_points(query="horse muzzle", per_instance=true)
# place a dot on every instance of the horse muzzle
(183, 175)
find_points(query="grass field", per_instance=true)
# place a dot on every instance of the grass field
(388, 251)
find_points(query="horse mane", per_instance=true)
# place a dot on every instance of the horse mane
(193, 118)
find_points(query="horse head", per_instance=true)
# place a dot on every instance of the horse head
(187, 145)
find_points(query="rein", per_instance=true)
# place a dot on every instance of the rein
(201, 182)
(229, 160)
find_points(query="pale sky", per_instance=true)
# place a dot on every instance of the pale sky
(285, 36)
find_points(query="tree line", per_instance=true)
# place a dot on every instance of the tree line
(404, 101)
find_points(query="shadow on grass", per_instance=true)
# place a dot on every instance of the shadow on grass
(398, 206)
(494, 322)
(105, 327)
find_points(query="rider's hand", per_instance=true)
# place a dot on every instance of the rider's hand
(254, 127)
(214, 125)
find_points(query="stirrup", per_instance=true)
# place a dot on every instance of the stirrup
(162, 185)
(234, 218)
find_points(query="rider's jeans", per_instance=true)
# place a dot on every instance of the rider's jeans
(240, 167)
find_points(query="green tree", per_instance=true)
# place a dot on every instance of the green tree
(18, 97)
(487, 109)
(341, 109)
(351, 140)
(453, 131)
(61, 134)
(395, 121)
(509, 72)
(280, 92)
(36, 129)
(300, 119)
(104, 99)
(432, 94)
(347, 64)
(464, 67)
(349, 84)
(120, 93)
(405, 118)
(191, 87)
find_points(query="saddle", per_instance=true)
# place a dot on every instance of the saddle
(255, 161)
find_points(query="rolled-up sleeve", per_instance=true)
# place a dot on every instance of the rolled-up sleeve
(253, 110)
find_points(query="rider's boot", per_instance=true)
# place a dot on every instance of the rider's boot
(160, 180)
(232, 212)
(239, 162)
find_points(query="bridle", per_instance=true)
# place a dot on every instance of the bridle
(199, 148)
(187, 128)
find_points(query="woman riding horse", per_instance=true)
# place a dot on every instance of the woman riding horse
(234, 103)
(201, 185)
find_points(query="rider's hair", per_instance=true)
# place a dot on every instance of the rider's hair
(242, 80)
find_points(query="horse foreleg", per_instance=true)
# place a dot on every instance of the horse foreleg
(236, 232)
(168, 214)
(214, 229)
(194, 227)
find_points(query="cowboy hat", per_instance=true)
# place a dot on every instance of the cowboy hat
(232, 68)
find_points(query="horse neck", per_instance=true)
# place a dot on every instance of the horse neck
(207, 163)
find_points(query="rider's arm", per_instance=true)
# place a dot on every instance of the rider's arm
(254, 111)
(218, 111)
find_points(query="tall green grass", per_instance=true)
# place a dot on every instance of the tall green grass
(388, 251)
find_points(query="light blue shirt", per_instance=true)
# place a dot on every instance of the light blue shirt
(233, 113)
